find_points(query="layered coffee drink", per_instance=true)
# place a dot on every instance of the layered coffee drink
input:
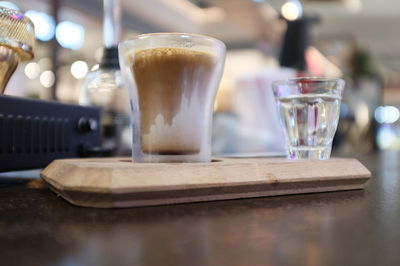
(172, 79)
(174, 98)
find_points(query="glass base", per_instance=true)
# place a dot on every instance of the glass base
(309, 153)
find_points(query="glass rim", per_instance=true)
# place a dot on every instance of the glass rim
(293, 81)
(167, 34)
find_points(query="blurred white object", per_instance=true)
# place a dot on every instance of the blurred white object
(255, 105)
(252, 125)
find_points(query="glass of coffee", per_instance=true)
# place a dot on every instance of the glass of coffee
(172, 79)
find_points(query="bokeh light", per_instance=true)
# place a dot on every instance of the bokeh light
(292, 10)
(95, 67)
(32, 70)
(44, 25)
(79, 69)
(70, 35)
(47, 79)
(386, 114)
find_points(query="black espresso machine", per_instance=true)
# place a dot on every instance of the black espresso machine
(34, 132)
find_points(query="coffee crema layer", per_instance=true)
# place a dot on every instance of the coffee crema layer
(172, 86)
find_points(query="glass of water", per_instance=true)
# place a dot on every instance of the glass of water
(309, 113)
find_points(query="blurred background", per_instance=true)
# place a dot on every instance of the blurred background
(266, 39)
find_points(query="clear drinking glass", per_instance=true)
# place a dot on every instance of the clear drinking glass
(309, 113)
(172, 79)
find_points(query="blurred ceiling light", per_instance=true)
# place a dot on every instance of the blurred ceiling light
(8, 4)
(47, 79)
(292, 10)
(386, 114)
(79, 69)
(44, 25)
(32, 70)
(70, 35)
(259, 1)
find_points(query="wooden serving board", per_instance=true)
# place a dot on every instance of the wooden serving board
(116, 182)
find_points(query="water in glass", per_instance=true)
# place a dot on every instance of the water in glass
(310, 121)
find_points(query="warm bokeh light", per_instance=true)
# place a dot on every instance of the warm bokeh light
(292, 10)
(47, 79)
(32, 70)
(79, 69)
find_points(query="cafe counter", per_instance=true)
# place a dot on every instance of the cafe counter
(360, 227)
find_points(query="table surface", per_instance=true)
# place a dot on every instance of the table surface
(359, 227)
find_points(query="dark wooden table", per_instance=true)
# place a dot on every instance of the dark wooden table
(338, 228)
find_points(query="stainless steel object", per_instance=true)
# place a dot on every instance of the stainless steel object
(17, 40)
